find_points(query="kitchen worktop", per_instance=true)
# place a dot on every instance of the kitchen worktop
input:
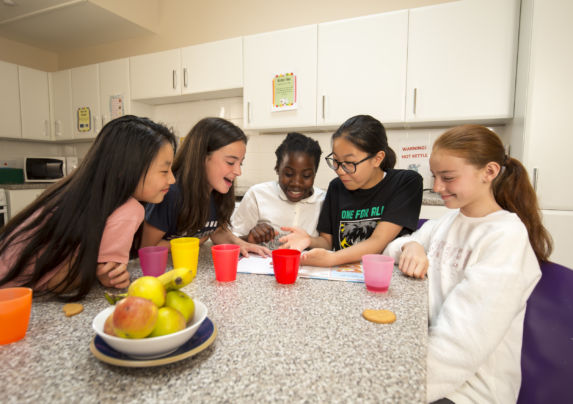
(27, 185)
(305, 342)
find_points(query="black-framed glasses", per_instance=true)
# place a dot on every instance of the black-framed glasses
(349, 167)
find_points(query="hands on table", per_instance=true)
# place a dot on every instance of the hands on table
(113, 275)
(413, 260)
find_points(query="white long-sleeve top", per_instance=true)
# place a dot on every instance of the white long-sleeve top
(267, 202)
(481, 273)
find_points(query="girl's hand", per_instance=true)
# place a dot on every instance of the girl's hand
(413, 260)
(261, 233)
(298, 239)
(247, 248)
(317, 257)
(113, 275)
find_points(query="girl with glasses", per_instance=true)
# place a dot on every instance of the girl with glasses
(368, 205)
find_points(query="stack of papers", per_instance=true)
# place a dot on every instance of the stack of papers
(255, 264)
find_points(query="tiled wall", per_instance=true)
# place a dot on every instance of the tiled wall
(260, 159)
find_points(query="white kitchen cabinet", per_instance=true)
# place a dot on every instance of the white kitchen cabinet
(10, 124)
(362, 68)
(155, 75)
(62, 112)
(114, 89)
(279, 52)
(34, 103)
(85, 94)
(18, 199)
(213, 67)
(461, 61)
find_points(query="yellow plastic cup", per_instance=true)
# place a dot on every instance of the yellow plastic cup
(185, 253)
(15, 308)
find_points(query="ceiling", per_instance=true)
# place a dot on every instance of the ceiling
(62, 25)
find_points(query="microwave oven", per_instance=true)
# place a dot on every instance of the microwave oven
(44, 169)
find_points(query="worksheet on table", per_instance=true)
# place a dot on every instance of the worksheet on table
(255, 264)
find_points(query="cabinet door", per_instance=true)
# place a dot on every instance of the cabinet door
(213, 66)
(18, 199)
(372, 83)
(61, 91)
(279, 52)
(155, 75)
(34, 103)
(114, 89)
(10, 124)
(85, 94)
(461, 61)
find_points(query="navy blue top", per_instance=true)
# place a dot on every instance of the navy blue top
(164, 216)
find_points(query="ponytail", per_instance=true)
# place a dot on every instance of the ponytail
(513, 192)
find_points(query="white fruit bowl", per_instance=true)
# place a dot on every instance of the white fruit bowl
(150, 348)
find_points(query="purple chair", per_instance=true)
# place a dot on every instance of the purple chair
(547, 351)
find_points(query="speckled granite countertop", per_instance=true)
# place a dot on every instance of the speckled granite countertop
(305, 342)
(27, 185)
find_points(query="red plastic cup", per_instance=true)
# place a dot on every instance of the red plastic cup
(285, 265)
(225, 260)
(15, 308)
(377, 270)
(153, 260)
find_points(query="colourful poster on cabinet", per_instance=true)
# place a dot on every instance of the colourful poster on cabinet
(84, 119)
(284, 92)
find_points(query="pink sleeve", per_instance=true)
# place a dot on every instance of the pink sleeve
(120, 228)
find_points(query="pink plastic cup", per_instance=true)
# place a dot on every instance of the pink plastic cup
(15, 308)
(285, 265)
(377, 270)
(225, 260)
(153, 260)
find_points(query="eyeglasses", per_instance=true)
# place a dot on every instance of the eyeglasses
(349, 167)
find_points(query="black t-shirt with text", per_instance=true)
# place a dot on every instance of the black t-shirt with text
(352, 216)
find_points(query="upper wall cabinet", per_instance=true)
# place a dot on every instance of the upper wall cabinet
(62, 114)
(362, 68)
(214, 67)
(200, 71)
(86, 115)
(114, 89)
(278, 53)
(10, 124)
(34, 103)
(461, 61)
(155, 75)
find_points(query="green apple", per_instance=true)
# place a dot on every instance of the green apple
(148, 287)
(181, 302)
(169, 321)
(134, 317)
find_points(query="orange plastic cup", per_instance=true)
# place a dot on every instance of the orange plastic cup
(15, 308)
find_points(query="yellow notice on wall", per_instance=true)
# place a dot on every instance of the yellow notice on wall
(84, 119)
(284, 92)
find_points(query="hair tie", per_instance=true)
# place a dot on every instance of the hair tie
(505, 159)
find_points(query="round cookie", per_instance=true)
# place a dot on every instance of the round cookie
(71, 309)
(379, 316)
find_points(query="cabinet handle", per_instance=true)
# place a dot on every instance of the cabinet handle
(46, 128)
(535, 178)
(174, 79)
(185, 77)
(102, 121)
(415, 100)
(94, 124)
(323, 104)
(57, 128)
(248, 112)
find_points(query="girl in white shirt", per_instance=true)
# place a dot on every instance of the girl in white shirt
(292, 201)
(482, 261)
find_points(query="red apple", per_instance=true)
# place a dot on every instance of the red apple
(134, 317)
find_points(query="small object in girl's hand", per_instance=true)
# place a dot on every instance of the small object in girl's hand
(379, 316)
(71, 309)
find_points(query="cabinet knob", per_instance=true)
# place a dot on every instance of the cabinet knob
(185, 77)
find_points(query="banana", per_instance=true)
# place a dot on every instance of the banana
(171, 280)
(177, 278)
